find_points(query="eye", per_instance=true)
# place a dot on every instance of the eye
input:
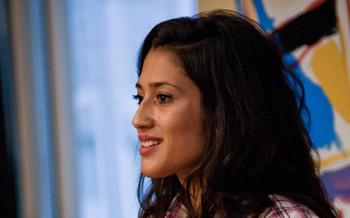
(138, 97)
(162, 98)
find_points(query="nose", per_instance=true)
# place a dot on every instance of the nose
(143, 118)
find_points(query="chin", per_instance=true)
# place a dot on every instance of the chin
(153, 175)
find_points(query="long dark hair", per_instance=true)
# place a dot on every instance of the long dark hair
(252, 104)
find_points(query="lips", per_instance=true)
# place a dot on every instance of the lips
(148, 144)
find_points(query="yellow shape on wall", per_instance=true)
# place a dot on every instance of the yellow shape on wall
(331, 71)
(334, 158)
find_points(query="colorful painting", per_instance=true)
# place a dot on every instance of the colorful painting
(314, 36)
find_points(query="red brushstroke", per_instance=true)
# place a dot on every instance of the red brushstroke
(245, 8)
(315, 4)
(307, 50)
(308, 8)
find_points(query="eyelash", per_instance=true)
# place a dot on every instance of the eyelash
(161, 98)
(139, 98)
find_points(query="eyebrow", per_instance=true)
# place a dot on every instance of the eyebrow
(156, 85)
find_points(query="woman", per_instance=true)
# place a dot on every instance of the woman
(219, 124)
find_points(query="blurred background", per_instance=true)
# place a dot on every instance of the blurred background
(68, 72)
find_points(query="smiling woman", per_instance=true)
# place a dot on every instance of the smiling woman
(219, 124)
(169, 119)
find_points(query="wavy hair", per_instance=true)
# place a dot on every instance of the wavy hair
(252, 108)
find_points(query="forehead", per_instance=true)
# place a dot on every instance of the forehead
(162, 65)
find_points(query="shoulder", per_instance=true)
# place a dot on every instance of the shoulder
(285, 207)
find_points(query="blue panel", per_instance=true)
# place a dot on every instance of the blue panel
(105, 37)
(42, 109)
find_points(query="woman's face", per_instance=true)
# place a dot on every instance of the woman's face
(169, 118)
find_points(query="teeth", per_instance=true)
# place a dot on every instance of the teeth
(147, 144)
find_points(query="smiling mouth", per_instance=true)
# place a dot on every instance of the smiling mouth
(147, 144)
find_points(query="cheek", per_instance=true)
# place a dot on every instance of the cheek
(188, 126)
(182, 120)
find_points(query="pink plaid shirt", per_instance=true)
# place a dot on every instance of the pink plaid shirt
(283, 207)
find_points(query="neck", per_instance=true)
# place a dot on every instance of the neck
(195, 192)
